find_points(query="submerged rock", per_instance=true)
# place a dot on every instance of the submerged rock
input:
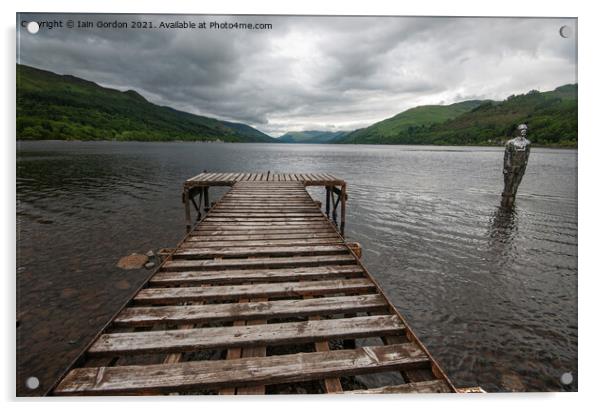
(512, 382)
(133, 261)
(123, 284)
(68, 293)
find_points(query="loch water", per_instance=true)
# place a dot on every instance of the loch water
(491, 292)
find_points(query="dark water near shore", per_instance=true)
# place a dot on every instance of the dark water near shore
(493, 294)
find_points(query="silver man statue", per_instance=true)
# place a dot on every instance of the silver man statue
(515, 163)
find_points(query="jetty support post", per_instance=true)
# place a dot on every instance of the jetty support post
(197, 206)
(188, 197)
(343, 198)
(186, 200)
(335, 204)
(206, 195)
(337, 196)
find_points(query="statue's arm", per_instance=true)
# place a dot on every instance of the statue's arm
(507, 157)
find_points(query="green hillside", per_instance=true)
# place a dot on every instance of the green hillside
(390, 130)
(551, 116)
(52, 106)
(312, 137)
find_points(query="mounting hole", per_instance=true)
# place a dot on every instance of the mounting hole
(33, 27)
(566, 31)
(32, 383)
(566, 378)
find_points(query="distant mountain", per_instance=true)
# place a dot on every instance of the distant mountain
(551, 117)
(52, 106)
(312, 137)
(389, 131)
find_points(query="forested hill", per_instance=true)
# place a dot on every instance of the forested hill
(52, 106)
(390, 130)
(551, 117)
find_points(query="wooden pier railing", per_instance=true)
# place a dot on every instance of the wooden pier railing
(262, 292)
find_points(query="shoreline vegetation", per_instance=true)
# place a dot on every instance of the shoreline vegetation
(63, 107)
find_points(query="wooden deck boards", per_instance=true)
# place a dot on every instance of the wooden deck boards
(213, 374)
(269, 180)
(264, 269)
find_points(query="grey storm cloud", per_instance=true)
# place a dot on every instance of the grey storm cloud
(335, 73)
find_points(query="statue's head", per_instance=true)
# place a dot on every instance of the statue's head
(522, 129)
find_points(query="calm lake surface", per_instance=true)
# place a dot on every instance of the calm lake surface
(492, 293)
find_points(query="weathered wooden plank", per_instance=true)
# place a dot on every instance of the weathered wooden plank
(268, 188)
(262, 202)
(280, 194)
(320, 228)
(276, 185)
(278, 289)
(207, 237)
(241, 252)
(233, 225)
(268, 215)
(282, 233)
(276, 199)
(167, 278)
(151, 315)
(183, 340)
(269, 192)
(251, 184)
(230, 226)
(431, 386)
(226, 177)
(262, 220)
(297, 261)
(214, 374)
(218, 243)
(283, 209)
(241, 211)
(252, 206)
(266, 197)
(247, 212)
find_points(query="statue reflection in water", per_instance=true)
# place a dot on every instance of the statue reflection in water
(503, 227)
(516, 157)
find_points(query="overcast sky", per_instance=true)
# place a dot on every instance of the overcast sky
(326, 73)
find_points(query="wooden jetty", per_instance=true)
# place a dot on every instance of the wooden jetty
(262, 292)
